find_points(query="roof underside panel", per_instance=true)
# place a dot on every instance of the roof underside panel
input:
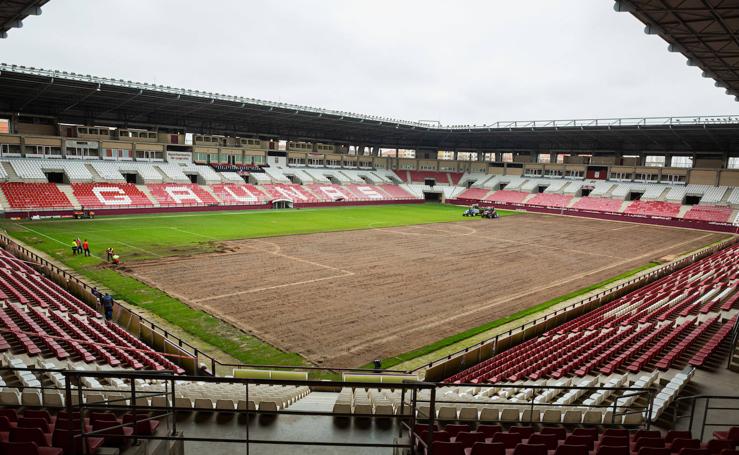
(705, 31)
(97, 101)
(12, 12)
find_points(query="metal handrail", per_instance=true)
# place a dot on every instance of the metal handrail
(734, 342)
(691, 415)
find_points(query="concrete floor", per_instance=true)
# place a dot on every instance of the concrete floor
(287, 428)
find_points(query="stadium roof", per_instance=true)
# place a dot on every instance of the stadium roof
(90, 100)
(12, 13)
(705, 31)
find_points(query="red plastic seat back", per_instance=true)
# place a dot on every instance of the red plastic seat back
(549, 440)
(575, 440)
(488, 448)
(567, 449)
(682, 443)
(610, 450)
(448, 448)
(717, 445)
(34, 435)
(654, 451)
(525, 432)
(469, 438)
(615, 441)
(530, 449)
(37, 414)
(489, 430)
(649, 442)
(560, 432)
(453, 429)
(674, 434)
(10, 414)
(510, 440)
(29, 422)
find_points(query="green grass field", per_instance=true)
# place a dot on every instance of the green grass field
(139, 237)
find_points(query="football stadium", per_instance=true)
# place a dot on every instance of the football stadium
(185, 271)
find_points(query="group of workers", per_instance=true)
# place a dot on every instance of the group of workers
(83, 248)
(80, 247)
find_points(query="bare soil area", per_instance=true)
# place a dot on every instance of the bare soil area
(345, 298)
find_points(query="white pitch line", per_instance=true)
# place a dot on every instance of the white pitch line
(52, 238)
(267, 288)
(344, 273)
(137, 248)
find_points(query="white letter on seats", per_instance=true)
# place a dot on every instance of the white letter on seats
(369, 192)
(333, 192)
(111, 195)
(291, 193)
(182, 194)
(246, 197)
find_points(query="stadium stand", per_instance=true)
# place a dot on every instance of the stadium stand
(598, 203)
(181, 194)
(107, 171)
(44, 321)
(647, 330)
(655, 208)
(551, 200)
(709, 213)
(105, 195)
(239, 194)
(396, 192)
(24, 196)
(292, 192)
(476, 194)
(507, 196)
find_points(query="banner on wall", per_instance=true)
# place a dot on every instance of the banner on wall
(179, 157)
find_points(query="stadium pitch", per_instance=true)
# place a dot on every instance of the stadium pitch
(388, 283)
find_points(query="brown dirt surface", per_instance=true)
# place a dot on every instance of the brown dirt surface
(344, 298)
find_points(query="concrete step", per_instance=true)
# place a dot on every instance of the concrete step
(95, 175)
(12, 175)
(683, 210)
(210, 191)
(316, 401)
(144, 189)
(67, 190)
(4, 202)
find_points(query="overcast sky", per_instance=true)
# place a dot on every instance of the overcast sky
(459, 62)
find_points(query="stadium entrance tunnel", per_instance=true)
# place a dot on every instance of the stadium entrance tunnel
(282, 204)
(431, 197)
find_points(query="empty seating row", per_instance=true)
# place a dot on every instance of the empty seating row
(654, 208)
(34, 196)
(550, 200)
(506, 196)
(600, 204)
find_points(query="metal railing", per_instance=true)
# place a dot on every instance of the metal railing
(702, 418)
(734, 337)
(418, 403)
(74, 388)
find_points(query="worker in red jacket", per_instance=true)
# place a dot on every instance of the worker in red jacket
(86, 247)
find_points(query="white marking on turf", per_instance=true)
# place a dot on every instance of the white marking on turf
(52, 238)
(276, 252)
(137, 248)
